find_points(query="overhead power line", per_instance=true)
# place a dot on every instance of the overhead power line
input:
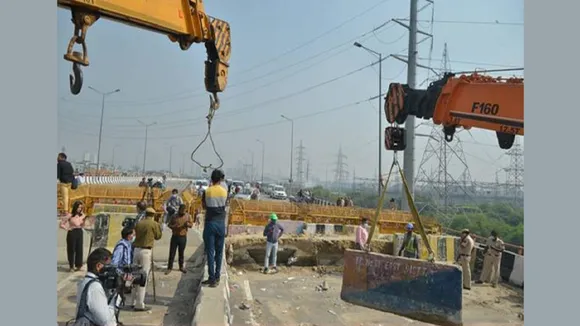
(306, 116)
(470, 22)
(252, 107)
(300, 46)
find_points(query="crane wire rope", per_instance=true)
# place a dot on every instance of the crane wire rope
(214, 105)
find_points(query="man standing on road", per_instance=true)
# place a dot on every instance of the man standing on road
(65, 175)
(179, 224)
(410, 246)
(273, 231)
(466, 245)
(492, 260)
(141, 208)
(362, 234)
(214, 201)
(147, 231)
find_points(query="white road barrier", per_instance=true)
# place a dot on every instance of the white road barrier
(101, 180)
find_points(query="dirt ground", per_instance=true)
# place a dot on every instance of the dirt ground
(294, 297)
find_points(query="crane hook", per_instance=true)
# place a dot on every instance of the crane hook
(76, 79)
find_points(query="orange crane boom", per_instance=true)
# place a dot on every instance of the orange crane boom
(183, 21)
(467, 101)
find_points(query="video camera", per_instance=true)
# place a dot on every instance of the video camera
(112, 276)
(129, 221)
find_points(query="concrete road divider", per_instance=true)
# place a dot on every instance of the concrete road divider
(212, 305)
(424, 291)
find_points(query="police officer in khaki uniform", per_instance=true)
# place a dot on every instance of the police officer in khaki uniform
(494, 247)
(466, 245)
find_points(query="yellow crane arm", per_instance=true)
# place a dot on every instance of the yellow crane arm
(183, 21)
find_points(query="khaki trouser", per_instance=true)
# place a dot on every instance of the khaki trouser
(491, 269)
(466, 270)
(142, 257)
(64, 191)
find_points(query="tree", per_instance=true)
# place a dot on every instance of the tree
(504, 218)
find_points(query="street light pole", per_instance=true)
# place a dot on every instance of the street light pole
(252, 168)
(113, 158)
(146, 134)
(263, 154)
(103, 95)
(170, 157)
(291, 145)
(380, 55)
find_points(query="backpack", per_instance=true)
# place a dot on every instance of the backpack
(74, 184)
(81, 319)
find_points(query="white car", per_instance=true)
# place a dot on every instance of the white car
(278, 192)
(244, 194)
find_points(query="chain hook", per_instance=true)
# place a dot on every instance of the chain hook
(214, 104)
(76, 79)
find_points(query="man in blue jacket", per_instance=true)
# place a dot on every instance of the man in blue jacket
(273, 231)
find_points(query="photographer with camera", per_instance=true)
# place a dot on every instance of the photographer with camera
(94, 307)
(172, 205)
(123, 252)
(147, 231)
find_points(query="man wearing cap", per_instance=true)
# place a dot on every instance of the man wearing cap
(147, 231)
(410, 246)
(214, 200)
(273, 231)
(492, 260)
(466, 245)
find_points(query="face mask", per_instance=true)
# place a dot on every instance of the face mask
(132, 239)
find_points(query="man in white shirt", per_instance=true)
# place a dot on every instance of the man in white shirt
(99, 309)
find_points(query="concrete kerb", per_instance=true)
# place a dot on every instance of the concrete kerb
(205, 313)
(208, 299)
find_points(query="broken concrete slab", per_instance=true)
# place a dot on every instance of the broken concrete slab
(429, 292)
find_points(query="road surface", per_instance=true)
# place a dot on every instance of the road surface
(291, 297)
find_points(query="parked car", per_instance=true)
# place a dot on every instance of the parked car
(244, 194)
(278, 192)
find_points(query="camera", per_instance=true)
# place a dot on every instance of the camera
(129, 221)
(112, 276)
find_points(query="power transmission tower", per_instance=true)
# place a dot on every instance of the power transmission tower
(307, 170)
(411, 60)
(300, 164)
(441, 182)
(340, 172)
(515, 173)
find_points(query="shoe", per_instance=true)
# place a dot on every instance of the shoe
(207, 282)
(214, 284)
(275, 269)
(167, 272)
(265, 271)
(478, 282)
(183, 270)
(71, 270)
(465, 288)
(142, 309)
